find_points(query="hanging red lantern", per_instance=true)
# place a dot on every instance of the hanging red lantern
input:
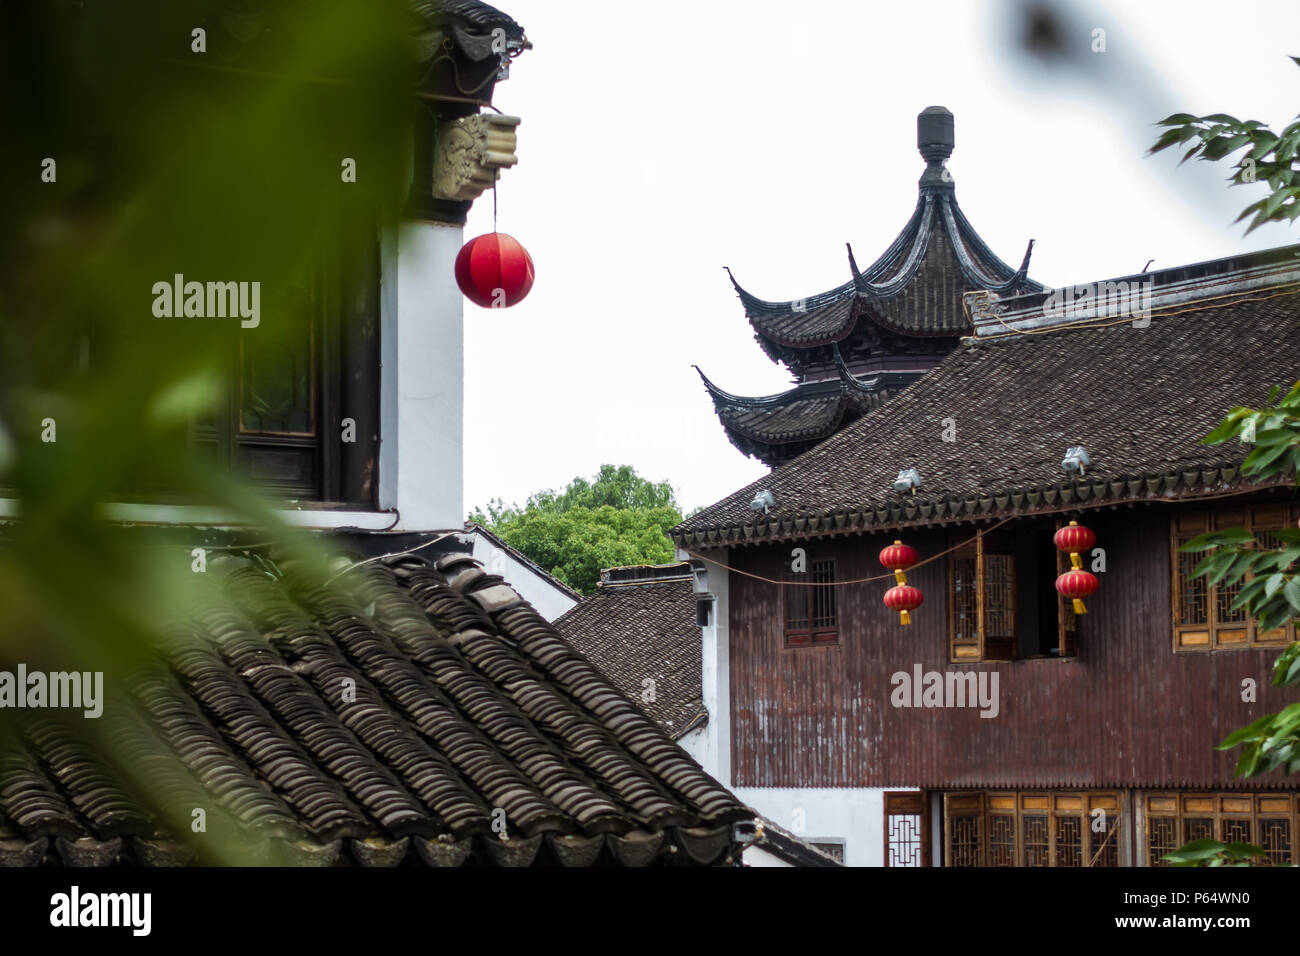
(494, 271)
(898, 557)
(903, 598)
(1074, 538)
(1076, 585)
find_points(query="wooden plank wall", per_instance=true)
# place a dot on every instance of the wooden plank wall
(1126, 712)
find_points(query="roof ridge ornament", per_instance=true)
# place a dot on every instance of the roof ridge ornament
(935, 140)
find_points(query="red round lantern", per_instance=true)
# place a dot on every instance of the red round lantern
(899, 556)
(1074, 538)
(1076, 585)
(494, 271)
(903, 598)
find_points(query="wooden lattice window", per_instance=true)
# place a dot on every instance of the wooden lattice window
(906, 832)
(1022, 828)
(811, 611)
(982, 600)
(1203, 617)
(963, 819)
(1266, 819)
(1002, 602)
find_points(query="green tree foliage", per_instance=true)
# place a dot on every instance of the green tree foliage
(619, 518)
(1269, 157)
(1270, 595)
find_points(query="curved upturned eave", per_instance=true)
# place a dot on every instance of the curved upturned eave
(830, 317)
(742, 401)
(904, 244)
(1004, 279)
(837, 406)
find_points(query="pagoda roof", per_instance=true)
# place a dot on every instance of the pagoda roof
(1138, 393)
(774, 428)
(915, 288)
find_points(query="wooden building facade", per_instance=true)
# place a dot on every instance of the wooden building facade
(1000, 728)
(1135, 711)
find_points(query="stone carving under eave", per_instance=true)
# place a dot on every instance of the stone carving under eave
(470, 152)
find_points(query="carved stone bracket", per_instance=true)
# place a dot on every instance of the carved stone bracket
(470, 152)
(983, 306)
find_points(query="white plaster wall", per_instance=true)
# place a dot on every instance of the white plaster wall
(535, 588)
(422, 385)
(757, 856)
(713, 749)
(695, 742)
(853, 815)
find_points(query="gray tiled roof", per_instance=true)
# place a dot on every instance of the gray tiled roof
(1139, 400)
(385, 716)
(635, 632)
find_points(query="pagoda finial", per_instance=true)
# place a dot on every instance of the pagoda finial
(934, 139)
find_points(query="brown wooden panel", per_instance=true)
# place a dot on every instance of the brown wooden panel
(1128, 712)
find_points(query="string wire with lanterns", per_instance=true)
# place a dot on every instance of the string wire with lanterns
(870, 580)
(1073, 585)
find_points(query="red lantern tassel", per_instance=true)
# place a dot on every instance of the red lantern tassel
(1079, 608)
(904, 617)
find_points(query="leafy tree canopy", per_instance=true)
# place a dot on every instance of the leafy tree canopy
(1269, 157)
(618, 518)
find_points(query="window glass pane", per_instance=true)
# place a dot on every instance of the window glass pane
(999, 595)
(1069, 841)
(277, 371)
(1035, 840)
(824, 614)
(1193, 606)
(965, 617)
(796, 607)
(1002, 840)
(1162, 838)
(1275, 837)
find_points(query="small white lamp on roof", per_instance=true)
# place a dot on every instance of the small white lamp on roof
(909, 479)
(1076, 459)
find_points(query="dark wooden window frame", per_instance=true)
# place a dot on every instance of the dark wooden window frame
(345, 383)
(967, 648)
(1250, 817)
(1003, 822)
(806, 631)
(1217, 631)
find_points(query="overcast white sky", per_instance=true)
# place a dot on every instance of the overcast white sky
(662, 142)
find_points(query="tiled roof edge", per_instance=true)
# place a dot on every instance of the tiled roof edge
(1197, 481)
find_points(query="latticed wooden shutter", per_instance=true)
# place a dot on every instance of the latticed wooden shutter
(1264, 520)
(1067, 622)
(1191, 603)
(963, 829)
(996, 570)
